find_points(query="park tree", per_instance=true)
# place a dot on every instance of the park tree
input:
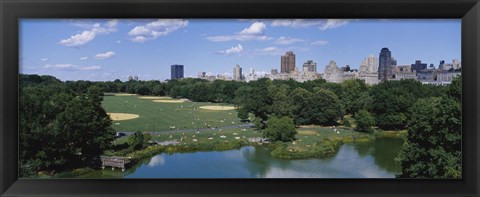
(255, 98)
(136, 140)
(300, 100)
(60, 128)
(364, 121)
(326, 108)
(259, 123)
(280, 129)
(158, 90)
(242, 113)
(391, 101)
(280, 102)
(352, 90)
(433, 148)
(362, 101)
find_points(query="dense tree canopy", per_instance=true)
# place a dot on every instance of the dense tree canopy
(280, 129)
(433, 147)
(60, 127)
(364, 121)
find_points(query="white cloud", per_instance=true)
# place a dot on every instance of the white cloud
(71, 67)
(255, 28)
(44, 59)
(270, 51)
(319, 42)
(88, 35)
(139, 30)
(238, 37)
(155, 29)
(105, 55)
(286, 40)
(79, 39)
(322, 24)
(112, 23)
(234, 50)
(254, 32)
(275, 51)
(139, 39)
(83, 58)
(334, 23)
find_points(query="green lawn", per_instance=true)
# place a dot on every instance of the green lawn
(161, 116)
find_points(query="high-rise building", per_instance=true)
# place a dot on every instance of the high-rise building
(130, 77)
(135, 78)
(456, 64)
(176, 71)
(386, 65)
(274, 71)
(310, 66)
(369, 65)
(287, 62)
(237, 73)
(202, 75)
(418, 66)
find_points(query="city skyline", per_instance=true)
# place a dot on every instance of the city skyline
(105, 50)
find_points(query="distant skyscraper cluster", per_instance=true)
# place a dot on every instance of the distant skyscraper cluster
(336, 74)
(289, 71)
(134, 78)
(176, 71)
(371, 70)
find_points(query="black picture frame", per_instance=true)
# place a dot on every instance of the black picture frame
(13, 10)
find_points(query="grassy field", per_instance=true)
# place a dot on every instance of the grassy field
(160, 116)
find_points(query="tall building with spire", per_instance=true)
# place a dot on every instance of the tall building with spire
(287, 62)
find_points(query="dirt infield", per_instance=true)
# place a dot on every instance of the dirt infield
(219, 108)
(122, 116)
(168, 101)
(307, 132)
(155, 97)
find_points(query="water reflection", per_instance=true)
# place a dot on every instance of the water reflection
(362, 160)
(156, 161)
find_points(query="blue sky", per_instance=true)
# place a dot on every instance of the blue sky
(105, 50)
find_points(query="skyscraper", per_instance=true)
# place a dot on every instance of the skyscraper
(369, 65)
(310, 66)
(287, 62)
(386, 62)
(237, 73)
(176, 71)
(418, 66)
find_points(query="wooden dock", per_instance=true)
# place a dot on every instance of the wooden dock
(115, 162)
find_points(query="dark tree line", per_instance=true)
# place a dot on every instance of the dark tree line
(434, 145)
(60, 128)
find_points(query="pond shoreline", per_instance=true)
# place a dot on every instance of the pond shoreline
(282, 150)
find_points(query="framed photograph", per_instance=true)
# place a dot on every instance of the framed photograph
(321, 98)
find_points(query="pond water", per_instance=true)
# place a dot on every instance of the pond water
(362, 160)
